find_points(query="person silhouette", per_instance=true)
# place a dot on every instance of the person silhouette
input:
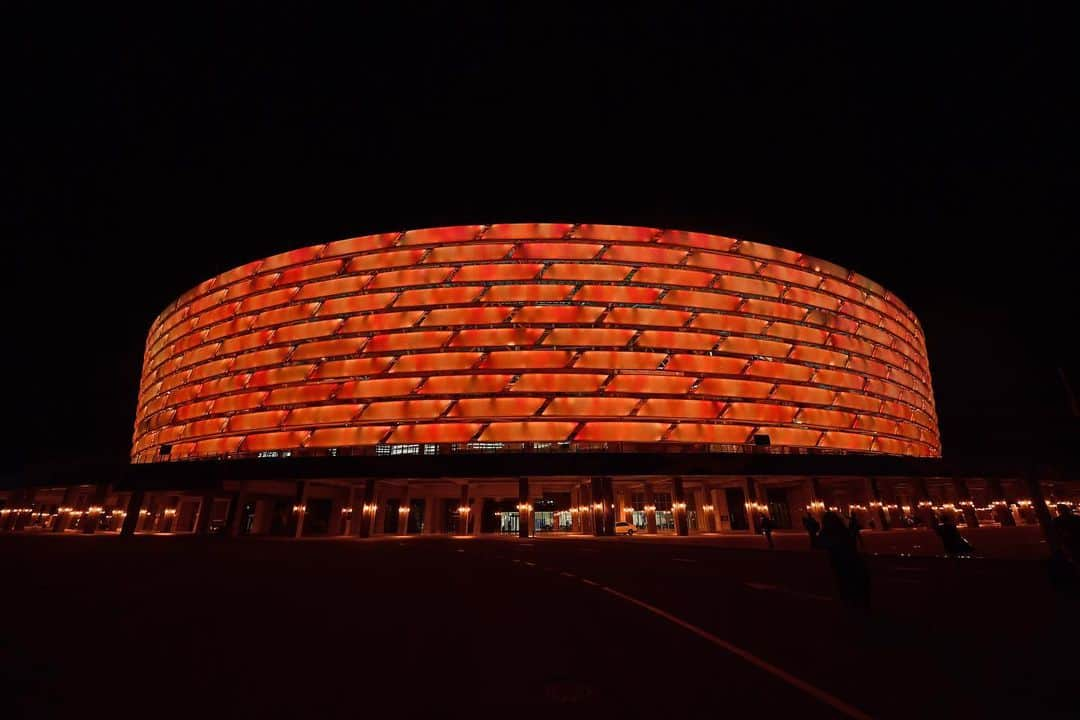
(813, 527)
(766, 525)
(851, 573)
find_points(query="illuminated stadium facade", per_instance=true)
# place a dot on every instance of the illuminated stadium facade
(527, 378)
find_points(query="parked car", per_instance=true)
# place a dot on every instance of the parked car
(624, 528)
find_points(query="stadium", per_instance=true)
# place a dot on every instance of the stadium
(524, 378)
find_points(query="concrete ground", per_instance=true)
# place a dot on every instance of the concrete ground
(428, 627)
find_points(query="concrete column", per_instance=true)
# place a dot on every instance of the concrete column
(432, 518)
(719, 503)
(206, 509)
(877, 507)
(968, 508)
(650, 510)
(367, 511)
(404, 510)
(678, 506)
(524, 509)
(603, 510)
(134, 507)
(299, 509)
(463, 511)
(609, 506)
(1001, 507)
(476, 516)
(750, 491)
(236, 511)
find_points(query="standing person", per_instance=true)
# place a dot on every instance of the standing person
(852, 575)
(813, 527)
(766, 529)
(854, 528)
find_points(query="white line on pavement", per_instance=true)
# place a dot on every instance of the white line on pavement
(812, 690)
(588, 582)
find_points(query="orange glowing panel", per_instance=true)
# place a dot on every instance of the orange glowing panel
(205, 427)
(699, 240)
(322, 415)
(821, 356)
(858, 401)
(206, 302)
(673, 276)
(621, 431)
(558, 382)
(753, 346)
(589, 337)
(356, 303)
(467, 316)
(624, 233)
(847, 441)
(496, 407)
(838, 378)
(254, 285)
(240, 273)
(790, 275)
(291, 313)
(829, 418)
(383, 260)
(726, 263)
(199, 354)
(658, 384)
(730, 323)
(851, 344)
(711, 433)
(558, 314)
(347, 436)
(380, 388)
(280, 375)
(881, 387)
(436, 362)
(495, 272)
(439, 296)
(792, 436)
(434, 433)
(465, 384)
(768, 252)
(700, 299)
(614, 360)
(773, 309)
(405, 409)
(728, 387)
(328, 348)
(713, 365)
(527, 231)
(617, 294)
(760, 412)
(437, 236)
(306, 331)
(240, 401)
(250, 341)
(580, 272)
(527, 293)
(349, 284)
(804, 394)
(869, 367)
(645, 254)
(260, 358)
(224, 385)
(647, 316)
(527, 359)
(842, 289)
(218, 315)
(408, 341)
(303, 273)
(381, 321)
(557, 251)
(415, 276)
(876, 424)
(799, 333)
(673, 408)
(360, 244)
(747, 286)
(531, 431)
(267, 299)
(809, 297)
(217, 446)
(677, 340)
(783, 371)
(302, 394)
(257, 420)
(354, 367)
(468, 253)
(262, 442)
(497, 337)
(893, 446)
(590, 406)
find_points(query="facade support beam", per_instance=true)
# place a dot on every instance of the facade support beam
(524, 508)
(134, 512)
(876, 504)
(678, 506)
(367, 513)
(650, 510)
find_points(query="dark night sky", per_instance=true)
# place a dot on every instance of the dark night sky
(150, 150)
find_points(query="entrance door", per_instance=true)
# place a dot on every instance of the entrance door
(776, 498)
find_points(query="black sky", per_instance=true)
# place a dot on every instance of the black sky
(932, 150)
